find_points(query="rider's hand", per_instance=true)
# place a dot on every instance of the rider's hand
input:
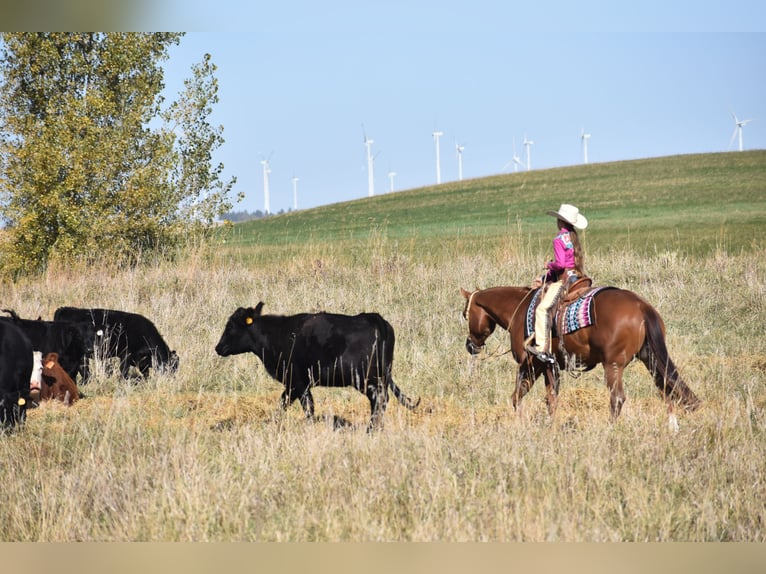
(537, 283)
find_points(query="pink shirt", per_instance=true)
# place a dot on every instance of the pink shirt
(563, 254)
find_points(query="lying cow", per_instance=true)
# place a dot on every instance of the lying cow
(320, 349)
(56, 336)
(56, 383)
(130, 336)
(15, 375)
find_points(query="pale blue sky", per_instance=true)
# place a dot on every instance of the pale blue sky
(299, 79)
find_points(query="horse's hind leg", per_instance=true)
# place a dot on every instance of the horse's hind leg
(613, 376)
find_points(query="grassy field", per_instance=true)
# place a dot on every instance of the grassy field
(640, 206)
(206, 456)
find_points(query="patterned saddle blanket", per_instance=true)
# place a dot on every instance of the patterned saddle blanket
(576, 315)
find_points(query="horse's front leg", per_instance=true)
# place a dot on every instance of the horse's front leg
(525, 378)
(552, 380)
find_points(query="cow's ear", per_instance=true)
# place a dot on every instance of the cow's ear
(258, 309)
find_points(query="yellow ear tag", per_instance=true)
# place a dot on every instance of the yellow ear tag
(22, 402)
(249, 321)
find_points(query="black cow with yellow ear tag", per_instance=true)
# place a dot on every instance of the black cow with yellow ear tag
(16, 358)
(319, 349)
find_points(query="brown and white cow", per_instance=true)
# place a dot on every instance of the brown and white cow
(36, 381)
(56, 383)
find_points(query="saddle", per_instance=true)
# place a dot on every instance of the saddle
(572, 311)
(570, 293)
(574, 291)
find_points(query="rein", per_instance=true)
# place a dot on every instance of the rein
(494, 354)
(516, 310)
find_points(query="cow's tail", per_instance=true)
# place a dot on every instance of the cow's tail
(655, 356)
(400, 396)
(387, 355)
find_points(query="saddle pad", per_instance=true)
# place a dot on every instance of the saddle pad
(529, 328)
(577, 314)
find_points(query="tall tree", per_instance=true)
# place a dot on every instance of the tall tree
(82, 173)
(202, 195)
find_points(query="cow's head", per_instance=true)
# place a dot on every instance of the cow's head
(238, 336)
(52, 370)
(173, 362)
(37, 376)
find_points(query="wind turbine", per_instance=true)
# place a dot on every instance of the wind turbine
(738, 130)
(584, 137)
(437, 135)
(370, 175)
(391, 175)
(459, 149)
(516, 158)
(528, 143)
(266, 172)
(295, 193)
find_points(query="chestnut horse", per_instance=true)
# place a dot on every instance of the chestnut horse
(626, 327)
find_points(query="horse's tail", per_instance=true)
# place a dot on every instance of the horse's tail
(654, 354)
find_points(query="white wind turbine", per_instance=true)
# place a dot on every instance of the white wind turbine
(584, 137)
(437, 135)
(738, 124)
(516, 158)
(370, 160)
(391, 175)
(266, 199)
(295, 193)
(459, 149)
(527, 144)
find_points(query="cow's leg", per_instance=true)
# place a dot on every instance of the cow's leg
(301, 393)
(285, 400)
(124, 367)
(613, 376)
(307, 402)
(377, 392)
(84, 370)
(142, 362)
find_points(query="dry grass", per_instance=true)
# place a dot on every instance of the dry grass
(206, 456)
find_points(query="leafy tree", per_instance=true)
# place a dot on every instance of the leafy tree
(82, 173)
(202, 196)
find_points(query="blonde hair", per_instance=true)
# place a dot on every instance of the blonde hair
(576, 245)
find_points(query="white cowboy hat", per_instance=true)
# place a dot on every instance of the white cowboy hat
(571, 215)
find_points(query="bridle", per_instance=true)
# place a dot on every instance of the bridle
(473, 347)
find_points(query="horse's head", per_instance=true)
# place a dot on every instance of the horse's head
(480, 323)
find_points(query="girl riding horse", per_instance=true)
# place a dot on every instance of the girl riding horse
(566, 266)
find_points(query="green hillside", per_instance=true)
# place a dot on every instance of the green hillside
(691, 203)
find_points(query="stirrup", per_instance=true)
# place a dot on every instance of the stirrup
(541, 355)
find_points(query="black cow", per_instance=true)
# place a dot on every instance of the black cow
(15, 374)
(130, 336)
(319, 349)
(62, 337)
